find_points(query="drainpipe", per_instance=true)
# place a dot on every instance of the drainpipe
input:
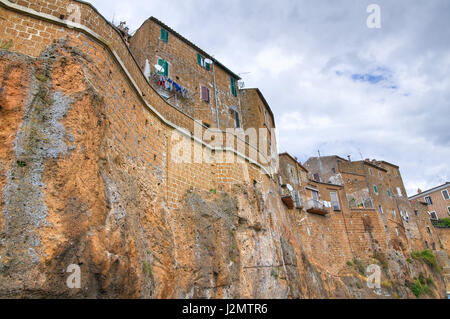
(215, 94)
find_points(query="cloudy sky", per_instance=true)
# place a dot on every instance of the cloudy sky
(333, 84)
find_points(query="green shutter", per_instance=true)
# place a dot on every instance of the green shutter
(389, 193)
(233, 86)
(164, 35)
(199, 59)
(166, 68)
(375, 188)
(165, 65)
(207, 66)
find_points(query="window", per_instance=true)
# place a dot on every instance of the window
(389, 193)
(375, 189)
(297, 199)
(316, 177)
(381, 209)
(204, 91)
(379, 174)
(433, 215)
(165, 66)
(409, 233)
(370, 171)
(416, 212)
(399, 191)
(333, 170)
(335, 201)
(426, 244)
(428, 200)
(237, 121)
(396, 231)
(406, 216)
(202, 63)
(315, 194)
(429, 230)
(434, 246)
(386, 229)
(394, 213)
(233, 86)
(164, 35)
(445, 194)
(448, 210)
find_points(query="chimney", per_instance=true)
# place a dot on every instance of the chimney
(419, 191)
(349, 158)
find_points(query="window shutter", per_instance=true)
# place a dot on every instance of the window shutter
(199, 59)
(164, 35)
(233, 86)
(238, 122)
(166, 68)
(207, 66)
(205, 94)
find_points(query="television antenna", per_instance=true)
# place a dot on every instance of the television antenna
(159, 68)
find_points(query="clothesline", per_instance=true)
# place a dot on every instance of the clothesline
(170, 85)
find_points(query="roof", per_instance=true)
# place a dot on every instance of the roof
(292, 158)
(316, 158)
(261, 96)
(193, 46)
(372, 165)
(387, 163)
(323, 183)
(431, 190)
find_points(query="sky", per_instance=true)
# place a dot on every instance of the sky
(333, 84)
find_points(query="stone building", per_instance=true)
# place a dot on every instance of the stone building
(205, 91)
(437, 201)
(375, 188)
(88, 178)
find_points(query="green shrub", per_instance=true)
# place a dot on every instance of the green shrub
(426, 256)
(349, 263)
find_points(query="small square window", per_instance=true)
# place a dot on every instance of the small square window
(428, 200)
(445, 194)
(204, 91)
(375, 189)
(433, 215)
(164, 35)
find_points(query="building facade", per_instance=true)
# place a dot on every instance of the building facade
(376, 187)
(437, 201)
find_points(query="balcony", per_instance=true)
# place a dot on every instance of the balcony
(318, 207)
(290, 198)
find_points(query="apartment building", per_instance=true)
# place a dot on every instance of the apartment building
(376, 188)
(186, 76)
(437, 201)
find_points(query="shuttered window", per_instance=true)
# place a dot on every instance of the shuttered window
(233, 86)
(202, 63)
(164, 35)
(375, 189)
(237, 121)
(204, 93)
(165, 66)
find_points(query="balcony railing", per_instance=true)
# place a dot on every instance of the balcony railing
(291, 199)
(319, 207)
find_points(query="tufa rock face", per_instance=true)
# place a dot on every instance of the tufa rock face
(85, 179)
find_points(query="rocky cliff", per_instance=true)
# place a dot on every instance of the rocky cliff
(87, 178)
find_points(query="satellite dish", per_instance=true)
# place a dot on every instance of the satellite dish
(209, 61)
(289, 187)
(159, 68)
